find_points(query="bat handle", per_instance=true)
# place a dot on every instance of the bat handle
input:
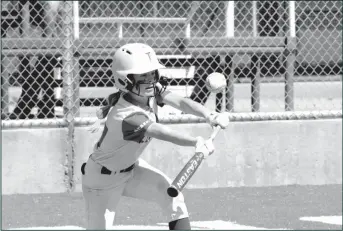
(215, 132)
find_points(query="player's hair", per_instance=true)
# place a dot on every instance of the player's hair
(112, 99)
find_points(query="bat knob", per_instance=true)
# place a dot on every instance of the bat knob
(172, 191)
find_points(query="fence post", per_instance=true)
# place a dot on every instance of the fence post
(229, 59)
(1, 79)
(120, 29)
(68, 88)
(229, 91)
(230, 19)
(255, 83)
(289, 82)
(76, 85)
(254, 18)
(4, 88)
(76, 28)
(194, 7)
(3, 99)
(290, 58)
(76, 61)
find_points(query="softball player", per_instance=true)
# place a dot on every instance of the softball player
(115, 168)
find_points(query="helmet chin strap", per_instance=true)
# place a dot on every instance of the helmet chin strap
(135, 86)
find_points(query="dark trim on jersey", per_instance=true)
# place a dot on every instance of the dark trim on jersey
(104, 133)
(134, 127)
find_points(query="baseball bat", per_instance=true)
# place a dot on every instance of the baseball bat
(188, 170)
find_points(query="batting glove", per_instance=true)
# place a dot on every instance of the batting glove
(220, 119)
(203, 146)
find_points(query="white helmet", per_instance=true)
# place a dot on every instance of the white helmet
(133, 58)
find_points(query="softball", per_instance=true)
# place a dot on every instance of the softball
(215, 82)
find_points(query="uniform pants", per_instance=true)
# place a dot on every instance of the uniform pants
(102, 192)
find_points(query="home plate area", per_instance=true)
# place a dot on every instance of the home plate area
(196, 225)
(242, 208)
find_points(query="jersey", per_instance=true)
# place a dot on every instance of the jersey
(123, 139)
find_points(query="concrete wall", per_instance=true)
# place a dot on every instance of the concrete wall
(34, 161)
(265, 153)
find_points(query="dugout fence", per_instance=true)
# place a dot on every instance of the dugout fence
(284, 48)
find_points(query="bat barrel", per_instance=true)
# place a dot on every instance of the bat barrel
(188, 170)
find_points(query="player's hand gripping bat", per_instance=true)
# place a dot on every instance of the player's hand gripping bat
(188, 170)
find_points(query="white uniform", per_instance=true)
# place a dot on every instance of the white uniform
(120, 146)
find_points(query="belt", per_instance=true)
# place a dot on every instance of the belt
(106, 171)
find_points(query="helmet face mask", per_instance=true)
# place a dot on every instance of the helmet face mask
(132, 60)
(147, 78)
(144, 84)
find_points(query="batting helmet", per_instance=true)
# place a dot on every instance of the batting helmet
(133, 58)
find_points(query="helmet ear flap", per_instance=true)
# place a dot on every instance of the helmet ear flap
(122, 82)
(126, 84)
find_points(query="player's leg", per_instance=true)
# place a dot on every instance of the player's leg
(149, 183)
(101, 194)
(96, 202)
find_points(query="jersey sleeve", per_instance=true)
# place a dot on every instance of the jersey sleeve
(135, 125)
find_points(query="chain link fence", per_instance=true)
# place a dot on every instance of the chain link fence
(282, 60)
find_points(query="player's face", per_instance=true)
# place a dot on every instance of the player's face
(146, 83)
